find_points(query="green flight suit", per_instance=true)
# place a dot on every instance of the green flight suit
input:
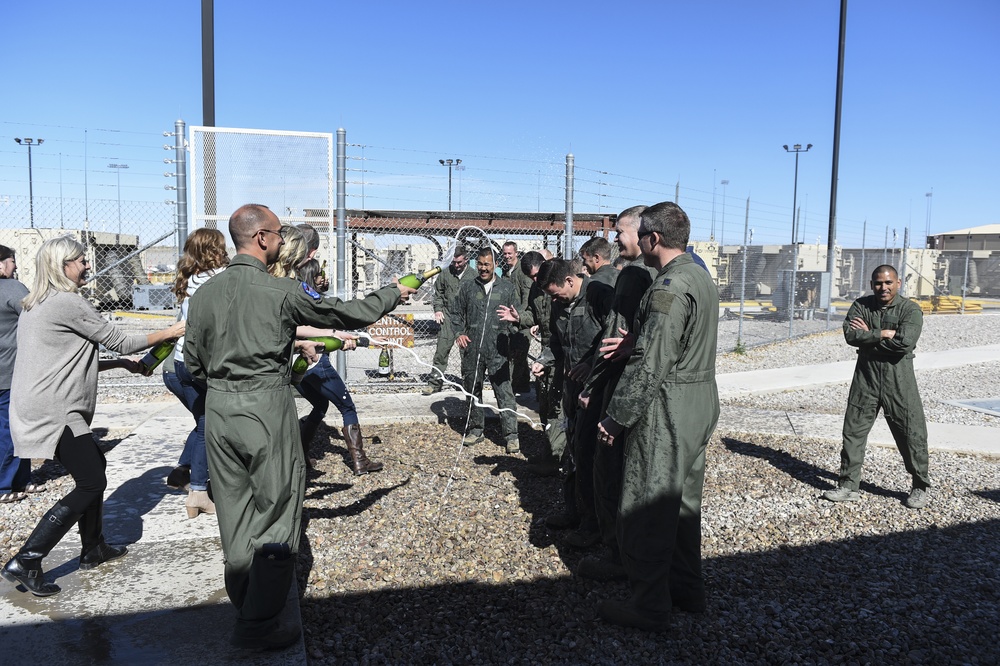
(633, 281)
(668, 401)
(577, 333)
(519, 344)
(240, 329)
(475, 315)
(548, 387)
(446, 287)
(883, 379)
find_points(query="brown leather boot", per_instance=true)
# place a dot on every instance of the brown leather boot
(362, 465)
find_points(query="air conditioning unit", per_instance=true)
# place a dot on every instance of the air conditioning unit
(153, 297)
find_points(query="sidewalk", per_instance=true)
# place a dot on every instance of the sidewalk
(165, 602)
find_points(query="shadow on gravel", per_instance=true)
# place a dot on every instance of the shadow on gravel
(807, 473)
(991, 495)
(786, 605)
(305, 556)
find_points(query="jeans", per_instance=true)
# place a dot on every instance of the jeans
(15, 473)
(192, 396)
(321, 386)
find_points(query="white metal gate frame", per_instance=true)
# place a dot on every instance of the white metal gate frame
(197, 198)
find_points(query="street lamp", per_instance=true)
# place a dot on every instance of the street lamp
(927, 228)
(31, 189)
(118, 170)
(449, 164)
(797, 148)
(722, 232)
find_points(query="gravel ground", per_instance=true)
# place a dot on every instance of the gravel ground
(443, 557)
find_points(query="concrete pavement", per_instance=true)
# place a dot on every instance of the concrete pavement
(165, 601)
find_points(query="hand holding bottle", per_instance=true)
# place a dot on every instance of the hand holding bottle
(404, 291)
(175, 330)
(310, 349)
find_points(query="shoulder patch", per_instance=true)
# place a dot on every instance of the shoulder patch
(666, 282)
(660, 301)
(312, 293)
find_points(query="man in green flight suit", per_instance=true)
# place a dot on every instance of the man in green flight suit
(633, 281)
(240, 332)
(534, 316)
(446, 287)
(485, 343)
(667, 402)
(581, 306)
(520, 379)
(884, 327)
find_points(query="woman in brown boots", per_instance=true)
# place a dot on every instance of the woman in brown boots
(53, 396)
(321, 384)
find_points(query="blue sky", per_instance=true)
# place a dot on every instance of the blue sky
(650, 92)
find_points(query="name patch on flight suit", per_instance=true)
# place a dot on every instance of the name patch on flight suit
(660, 301)
(311, 293)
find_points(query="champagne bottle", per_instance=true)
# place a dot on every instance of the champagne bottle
(322, 270)
(155, 357)
(414, 280)
(299, 367)
(330, 344)
(383, 362)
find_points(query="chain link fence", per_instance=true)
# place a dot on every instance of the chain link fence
(387, 244)
(130, 245)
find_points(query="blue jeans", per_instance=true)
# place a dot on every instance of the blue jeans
(15, 473)
(182, 384)
(321, 386)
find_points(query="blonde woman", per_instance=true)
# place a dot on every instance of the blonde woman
(291, 255)
(53, 396)
(204, 257)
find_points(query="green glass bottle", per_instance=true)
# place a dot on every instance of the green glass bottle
(155, 356)
(414, 280)
(330, 344)
(299, 367)
(383, 362)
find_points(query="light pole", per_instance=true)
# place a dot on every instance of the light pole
(31, 188)
(118, 170)
(797, 148)
(722, 232)
(449, 164)
(927, 227)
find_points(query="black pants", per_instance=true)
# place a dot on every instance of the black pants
(86, 463)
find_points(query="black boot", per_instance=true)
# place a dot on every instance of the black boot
(307, 430)
(26, 567)
(360, 462)
(95, 551)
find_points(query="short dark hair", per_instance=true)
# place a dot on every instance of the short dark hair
(885, 268)
(531, 260)
(485, 251)
(553, 272)
(5, 253)
(598, 246)
(670, 222)
(459, 250)
(310, 235)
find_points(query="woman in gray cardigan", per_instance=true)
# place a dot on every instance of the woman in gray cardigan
(53, 396)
